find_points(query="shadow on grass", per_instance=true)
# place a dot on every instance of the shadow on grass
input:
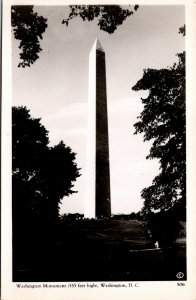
(86, 250)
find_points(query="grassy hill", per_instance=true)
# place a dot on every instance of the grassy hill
(100, 250)
(129, 233)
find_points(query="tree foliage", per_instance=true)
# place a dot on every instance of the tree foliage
(28, 26)
(164, 227)
(163, 122)
(109, 16)
(42, 175)
(182, 30)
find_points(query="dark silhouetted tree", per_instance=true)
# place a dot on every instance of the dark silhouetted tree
(28, 26)
(163, 122)
(109, 16)
(42, 175)
(164, 227)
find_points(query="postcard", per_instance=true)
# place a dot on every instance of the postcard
(98, 166)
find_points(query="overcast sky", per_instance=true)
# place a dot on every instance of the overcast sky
(55, 88)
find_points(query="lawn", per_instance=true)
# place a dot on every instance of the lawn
(97, 250)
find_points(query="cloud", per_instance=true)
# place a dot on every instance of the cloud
(69, 111)
(73, 131)
(126, 105)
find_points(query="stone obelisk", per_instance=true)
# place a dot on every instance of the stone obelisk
(98, 202)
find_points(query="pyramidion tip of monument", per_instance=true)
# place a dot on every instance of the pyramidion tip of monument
(97, 45)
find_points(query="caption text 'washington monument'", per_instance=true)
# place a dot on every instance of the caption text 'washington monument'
(98, 202)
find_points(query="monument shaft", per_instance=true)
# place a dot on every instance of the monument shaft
(98, 169)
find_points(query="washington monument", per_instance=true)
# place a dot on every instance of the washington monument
(98, 202)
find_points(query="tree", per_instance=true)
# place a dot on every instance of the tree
(163, 121)
(164, 227)
(42, 175)
(109, 16)
(28, 27)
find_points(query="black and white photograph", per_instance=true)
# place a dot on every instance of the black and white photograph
(98, 146)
